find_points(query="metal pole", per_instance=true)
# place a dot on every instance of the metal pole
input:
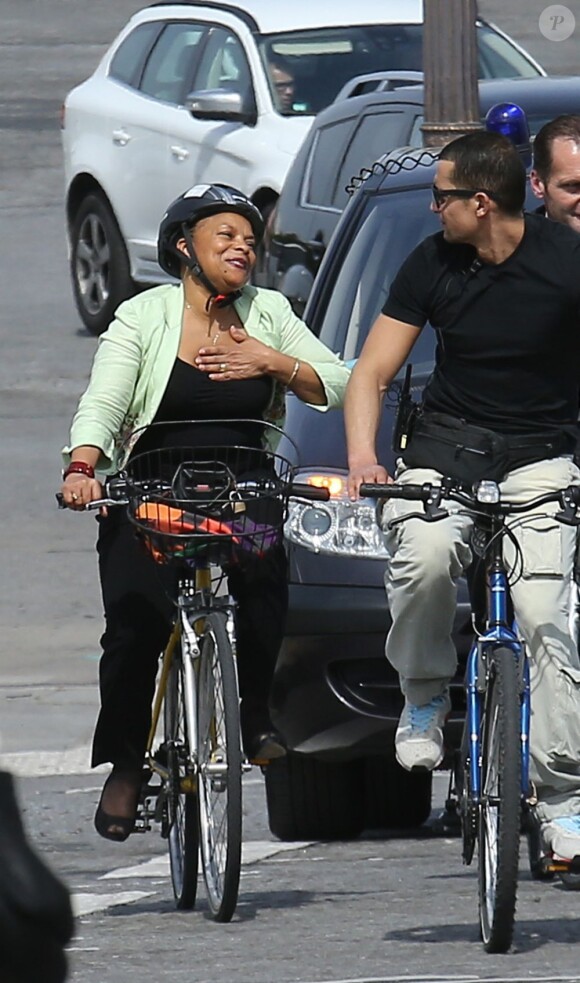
(450, 70)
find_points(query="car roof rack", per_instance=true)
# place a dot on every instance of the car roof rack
(378, 82)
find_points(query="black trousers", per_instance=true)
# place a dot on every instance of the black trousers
(138, 615)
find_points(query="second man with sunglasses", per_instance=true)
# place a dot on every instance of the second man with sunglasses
(501, 290)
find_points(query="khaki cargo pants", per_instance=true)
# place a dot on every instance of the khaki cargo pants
(427, 560)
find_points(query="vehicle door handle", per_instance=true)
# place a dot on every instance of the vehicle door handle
(181, 153)
(316, 246)
(121, 137)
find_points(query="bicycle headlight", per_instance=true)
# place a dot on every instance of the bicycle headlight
(338, 526)
(487, 492)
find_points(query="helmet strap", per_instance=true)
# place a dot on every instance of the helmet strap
(192, 262)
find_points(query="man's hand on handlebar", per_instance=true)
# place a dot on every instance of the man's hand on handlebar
(374, 474)
(77, 491)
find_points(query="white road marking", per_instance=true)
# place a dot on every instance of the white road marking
(252, 852)
(453, 979)
(87, 904)
(72, 761)
(41, 764)
(83, 791)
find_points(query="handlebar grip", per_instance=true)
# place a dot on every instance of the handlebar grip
(413, 493)
(312, 492)
(60, 500)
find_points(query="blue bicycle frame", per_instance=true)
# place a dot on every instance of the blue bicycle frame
(498, 634)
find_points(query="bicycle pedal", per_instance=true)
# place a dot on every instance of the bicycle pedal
(142, 825)
(557, 865)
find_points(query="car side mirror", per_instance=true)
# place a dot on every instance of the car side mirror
(221, 104)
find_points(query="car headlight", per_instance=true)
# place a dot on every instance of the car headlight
(338, 526)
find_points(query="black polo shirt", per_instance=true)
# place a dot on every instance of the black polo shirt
(508, 335)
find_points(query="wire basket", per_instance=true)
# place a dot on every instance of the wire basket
(214, 503)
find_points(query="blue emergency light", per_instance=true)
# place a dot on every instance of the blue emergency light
(511, 120)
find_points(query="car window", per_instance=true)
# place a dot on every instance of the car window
(321, 61)
(391, 226)
(416, 138)
(127, 62)
(224, 64)
(497, 58)
(327, 151)
(171, 64)
(375, 135)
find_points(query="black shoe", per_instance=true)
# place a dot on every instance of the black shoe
(113, 827)
(264, 747)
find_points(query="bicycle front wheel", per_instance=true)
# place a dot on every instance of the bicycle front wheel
(501, 801)
(183, 835)
(219, 768)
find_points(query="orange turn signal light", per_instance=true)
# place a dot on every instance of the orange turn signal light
(335, 484)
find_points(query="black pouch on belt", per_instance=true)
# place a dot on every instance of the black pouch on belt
(457, 449)
(469, 453)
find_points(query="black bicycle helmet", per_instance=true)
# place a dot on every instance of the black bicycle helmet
(199, 202)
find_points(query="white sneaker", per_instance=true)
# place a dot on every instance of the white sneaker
(419, 737)
(562, 837)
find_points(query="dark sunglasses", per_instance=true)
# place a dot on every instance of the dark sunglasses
(440, 196)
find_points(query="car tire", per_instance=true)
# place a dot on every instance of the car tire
(309, 799)
(99, 264)
(395, 798)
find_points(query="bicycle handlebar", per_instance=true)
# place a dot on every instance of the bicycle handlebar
(295, 490)
(432, 494)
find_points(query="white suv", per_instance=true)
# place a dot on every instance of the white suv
(203, 92)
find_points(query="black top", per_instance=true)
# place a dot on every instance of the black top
(191, 395)
(508, 335)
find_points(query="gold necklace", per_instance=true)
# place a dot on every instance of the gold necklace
(214, 340)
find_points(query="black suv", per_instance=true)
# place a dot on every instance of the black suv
(355, 130)
(335, 697)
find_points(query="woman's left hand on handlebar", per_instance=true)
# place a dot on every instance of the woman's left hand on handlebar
(78, 490)
(247, 359)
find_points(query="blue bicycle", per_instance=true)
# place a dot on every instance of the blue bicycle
(495, 799)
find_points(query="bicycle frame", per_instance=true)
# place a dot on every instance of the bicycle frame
(498, 633)
(194, 600)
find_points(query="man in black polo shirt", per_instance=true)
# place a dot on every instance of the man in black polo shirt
(502, 292)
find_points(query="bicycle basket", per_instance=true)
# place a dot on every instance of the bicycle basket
(215, 503)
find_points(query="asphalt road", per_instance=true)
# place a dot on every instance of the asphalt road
(378, 909)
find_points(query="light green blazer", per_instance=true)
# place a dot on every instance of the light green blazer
(136, 354)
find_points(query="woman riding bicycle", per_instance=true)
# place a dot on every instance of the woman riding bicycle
(210, 348)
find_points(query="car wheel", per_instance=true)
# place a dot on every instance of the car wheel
(395, 798)
(99, 264)
(309, 799)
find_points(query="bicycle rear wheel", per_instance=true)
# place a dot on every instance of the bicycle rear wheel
(501, 802)
(219, 768)
(183, 832)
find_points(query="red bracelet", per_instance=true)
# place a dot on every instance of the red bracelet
(79, 467)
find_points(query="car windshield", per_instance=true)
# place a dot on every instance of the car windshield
(389, 229)
(307, 69)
